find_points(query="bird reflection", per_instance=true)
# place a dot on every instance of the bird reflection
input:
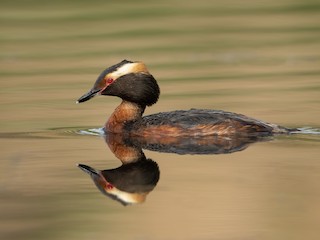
(133, 180)
(138, 176)
(129, 183)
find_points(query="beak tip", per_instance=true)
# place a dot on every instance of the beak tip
(87, 169)
(81, 166)
(87, 96)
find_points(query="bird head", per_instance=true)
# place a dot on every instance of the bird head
(128, 80)
(127, 184)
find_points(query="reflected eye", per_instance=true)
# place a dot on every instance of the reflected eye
(109, 186)
(109, 80)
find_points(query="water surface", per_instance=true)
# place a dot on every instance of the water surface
(258, 59)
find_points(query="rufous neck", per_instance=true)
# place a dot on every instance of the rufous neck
(124, 113)
(125, 152)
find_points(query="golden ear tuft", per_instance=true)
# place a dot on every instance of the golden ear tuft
(139, 67)
(135, 67)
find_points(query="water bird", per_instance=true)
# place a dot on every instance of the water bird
(134, 84)
(127, 184)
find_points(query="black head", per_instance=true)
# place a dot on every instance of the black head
(129, 183)
(128, 80)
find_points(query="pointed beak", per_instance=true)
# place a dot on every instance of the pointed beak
(88, 95)
(89, 170)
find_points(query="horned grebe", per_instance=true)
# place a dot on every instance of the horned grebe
(132, 82)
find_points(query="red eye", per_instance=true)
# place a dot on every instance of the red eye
(109, 80)
(109, 186)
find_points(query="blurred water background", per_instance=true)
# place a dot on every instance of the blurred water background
(259, 58)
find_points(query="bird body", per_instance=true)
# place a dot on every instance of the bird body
(132, 82)
(202, 122)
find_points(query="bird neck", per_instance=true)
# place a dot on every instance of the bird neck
(126, 112)
(123, 150)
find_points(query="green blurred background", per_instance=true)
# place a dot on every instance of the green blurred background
(259, 58)
(52, 51)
